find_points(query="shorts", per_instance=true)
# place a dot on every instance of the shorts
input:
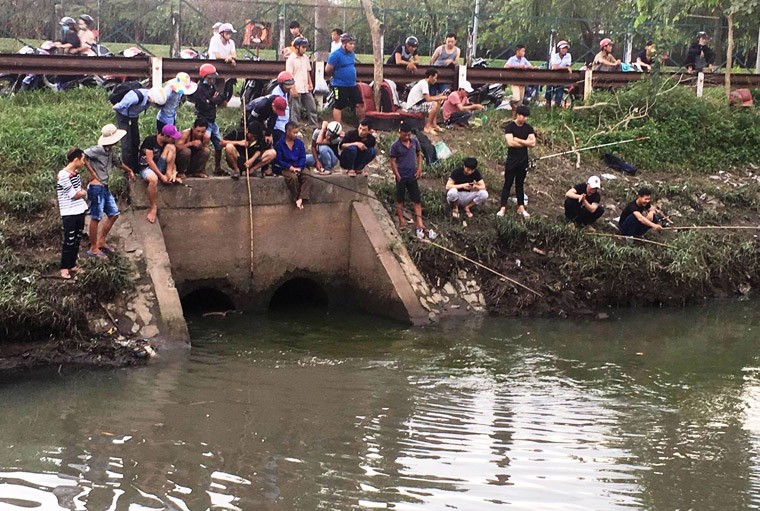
(101, 202)
(216, 135)
(423, 107)
(347, 97)
(410, 185)
(161, 164)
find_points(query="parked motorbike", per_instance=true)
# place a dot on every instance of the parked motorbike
(11, 83)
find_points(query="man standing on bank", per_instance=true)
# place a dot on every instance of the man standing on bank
(466, 188)
(520, 136)
(341, 64)
(582, 202)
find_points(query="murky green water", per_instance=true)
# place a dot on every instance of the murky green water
(657, 410)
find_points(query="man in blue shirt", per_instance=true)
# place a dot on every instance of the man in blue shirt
(290, 163)
(341, 64)
(128, 111)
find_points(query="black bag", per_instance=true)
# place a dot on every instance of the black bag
(616, 163)
(122, 89)
(428, 149)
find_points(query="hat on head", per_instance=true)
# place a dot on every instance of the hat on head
(170, 130)
(605, 42)
(279, 105)
(183, 84)
(109, 135)
(594, 182)
(227, 27)
(217, 24)
(334, 127)
(157, 96)
(562, 44)
(467, 86)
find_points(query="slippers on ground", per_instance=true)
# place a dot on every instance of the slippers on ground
(107, 249)
(455, 214)
(98, 255)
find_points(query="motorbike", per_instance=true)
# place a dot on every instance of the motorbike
(11, 83)
(111, 81)
(490, 94)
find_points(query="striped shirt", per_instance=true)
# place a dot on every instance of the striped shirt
(67, 187)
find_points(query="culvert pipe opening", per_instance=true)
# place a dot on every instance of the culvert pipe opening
(299, 292)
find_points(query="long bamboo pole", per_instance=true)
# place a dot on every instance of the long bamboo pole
(620, 236)
(591, 147)
(717, 227)
(248, 182)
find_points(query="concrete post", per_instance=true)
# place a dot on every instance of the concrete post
(157, 68)
(628, 52)
(757, 57)
(319, 74)
(462, 75)
(700, 84)
(473, 49)
(283, 28)
(176, 48)
(587, 84)
(552, 45)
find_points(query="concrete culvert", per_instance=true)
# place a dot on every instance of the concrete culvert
(205, 300)
(300, 292)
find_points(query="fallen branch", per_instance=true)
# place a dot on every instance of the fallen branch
(588, 107)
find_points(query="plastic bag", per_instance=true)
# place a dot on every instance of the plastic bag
(320, 87)
(442, 150)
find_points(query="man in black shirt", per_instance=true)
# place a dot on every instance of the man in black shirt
(582, 202)
(645, 58)
(70, 42)
(206, 99)
(700, 56)
(357, 149)
(520, 136)
(639, 216)
(466, 188)
(157, 161)
(264, 111)
(259, 154)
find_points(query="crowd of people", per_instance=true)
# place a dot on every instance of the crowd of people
(268, 140)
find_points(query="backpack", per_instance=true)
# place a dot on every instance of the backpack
(428, 149)
(122, 89)
(616, 163)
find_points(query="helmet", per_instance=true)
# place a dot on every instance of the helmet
(285, 78)
(86, 18)
(188, 53)
(702, 34)
(67, 20)
(207, 70)
(226, 27)
(300, 41)
(604, 42)
(347, 38)
(334, 128)
(411, 41)
(562, 44)
(157, 95)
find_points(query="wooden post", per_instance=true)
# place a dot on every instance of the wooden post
(700, 84)
(462, 76)
(319, 74)
(587, 84)
(157, 67)
(176, 35)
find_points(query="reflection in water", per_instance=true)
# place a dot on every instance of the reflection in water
(659, 411)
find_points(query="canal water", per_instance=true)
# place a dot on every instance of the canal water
(311, 411)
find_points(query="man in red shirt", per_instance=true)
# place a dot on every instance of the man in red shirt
(457, 108)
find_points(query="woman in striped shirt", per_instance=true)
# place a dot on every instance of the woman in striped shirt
(73, 208)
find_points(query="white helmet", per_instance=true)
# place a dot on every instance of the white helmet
(334, 128)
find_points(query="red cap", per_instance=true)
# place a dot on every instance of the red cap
(279, 105)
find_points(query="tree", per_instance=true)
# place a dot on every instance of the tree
(376, 31)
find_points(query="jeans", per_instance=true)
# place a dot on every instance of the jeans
(326, 157)
(557, 91)
(632, 227)
(353, 159)
(72, 236)
(514, 172)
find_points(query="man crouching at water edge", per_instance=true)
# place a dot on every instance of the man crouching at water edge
(466, 188)
(157, 161)
(582, 203)
(639, 216)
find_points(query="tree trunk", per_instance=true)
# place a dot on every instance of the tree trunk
(376, 29)
(321, 32)
(729, 53)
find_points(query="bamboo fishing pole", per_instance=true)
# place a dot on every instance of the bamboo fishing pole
(248, 182)
(572, 151)
(620, 236)
(476, 263)
(718, 227)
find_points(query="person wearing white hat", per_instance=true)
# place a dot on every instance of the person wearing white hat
(100, 160)
(223, 47)
(174, 89)
(457, 109)
(325, 147)
(561, 59)
(128, 111)
(583, 202)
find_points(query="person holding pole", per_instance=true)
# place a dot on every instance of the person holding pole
(639, 216)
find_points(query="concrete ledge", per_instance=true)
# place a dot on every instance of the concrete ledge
(220, 192)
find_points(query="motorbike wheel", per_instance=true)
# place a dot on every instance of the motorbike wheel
(7, 85)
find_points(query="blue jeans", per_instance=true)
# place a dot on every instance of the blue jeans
(326, 157)
(101, 201)
(353, 159)
(216, 135)
(555, 91)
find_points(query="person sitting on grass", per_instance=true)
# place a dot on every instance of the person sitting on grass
(193, 150)
(406, 164)
(73, 207)
(466, 188)
(457, 109)
(259, 155)
(582, 203)
(357, 149)
(420, 100)
(325, 147)
(100, 160)
(290, 162)
(639, 216)
(157, 161)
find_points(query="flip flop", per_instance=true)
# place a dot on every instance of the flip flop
(107, 248)
(97, 255)
(468, 213)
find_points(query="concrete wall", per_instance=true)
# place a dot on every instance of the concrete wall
(336, 241)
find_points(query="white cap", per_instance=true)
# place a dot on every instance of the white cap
(467, 86)
(226, 27)
(594, 182)
(217, 24)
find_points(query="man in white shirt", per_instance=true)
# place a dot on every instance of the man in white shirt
(560, 59)
(300, 95)
(223, 47)
(335, 36)
(420, 100)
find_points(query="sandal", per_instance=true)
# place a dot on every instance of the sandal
(455, 214)
(107, 248)
(97, 255)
